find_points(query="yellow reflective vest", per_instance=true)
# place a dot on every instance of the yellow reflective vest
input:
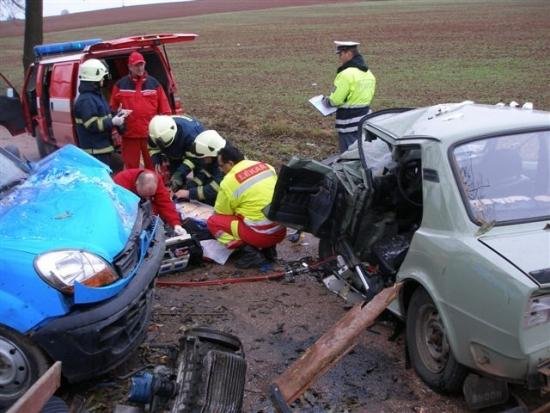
(353, 88)
(246, 190)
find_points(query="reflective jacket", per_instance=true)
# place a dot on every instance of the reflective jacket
(205, 184)
(354, 88)
(245, 191)
(145, 97)
(93, 119)
(178, 152)
(161, 202)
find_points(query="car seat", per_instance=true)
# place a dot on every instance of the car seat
(502, 176)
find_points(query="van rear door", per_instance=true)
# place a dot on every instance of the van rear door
(148, 40)
(11, 110)
(62, 91)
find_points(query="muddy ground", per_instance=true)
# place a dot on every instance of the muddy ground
(276, 322)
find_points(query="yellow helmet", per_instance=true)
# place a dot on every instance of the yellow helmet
(208, 143)
(92, 70)
(162, 130)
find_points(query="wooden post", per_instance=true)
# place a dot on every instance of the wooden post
(332, 346)
(40, 392)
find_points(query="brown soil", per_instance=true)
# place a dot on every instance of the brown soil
(161, 11)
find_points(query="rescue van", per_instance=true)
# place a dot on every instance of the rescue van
(44, 108)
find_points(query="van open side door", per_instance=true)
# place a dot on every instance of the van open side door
(11, 109)
(62, 92)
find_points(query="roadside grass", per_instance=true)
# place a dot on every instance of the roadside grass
(250, 74)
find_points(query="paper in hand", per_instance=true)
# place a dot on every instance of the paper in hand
(321, 106)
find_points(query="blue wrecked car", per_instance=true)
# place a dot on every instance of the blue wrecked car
(78, 260)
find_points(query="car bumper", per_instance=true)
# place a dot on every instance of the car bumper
(528, 370)
(95, 339)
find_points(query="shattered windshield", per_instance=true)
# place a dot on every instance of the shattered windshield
(11, 173)
(506, 178)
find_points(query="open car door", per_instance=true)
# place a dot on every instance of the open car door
(11, 109)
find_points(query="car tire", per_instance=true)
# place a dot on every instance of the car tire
(44, 148)
(428, 348)
(21, 364)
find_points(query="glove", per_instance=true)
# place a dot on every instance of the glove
(176, 181)
(179, 230)
(326, 101)
(118, 120)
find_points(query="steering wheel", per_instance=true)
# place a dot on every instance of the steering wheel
(409, 181)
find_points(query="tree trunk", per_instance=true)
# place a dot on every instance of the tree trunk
(33, 30)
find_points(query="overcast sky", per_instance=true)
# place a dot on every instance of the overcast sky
(54, 7)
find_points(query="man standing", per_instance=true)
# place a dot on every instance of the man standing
(239, 220)
(144, 96)
(354, 88)
(148, 185)
(93, 118)
(188, 148)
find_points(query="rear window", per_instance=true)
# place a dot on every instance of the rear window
(506, 178)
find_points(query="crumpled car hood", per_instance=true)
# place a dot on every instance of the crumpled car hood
(529, 250)
(68, 201)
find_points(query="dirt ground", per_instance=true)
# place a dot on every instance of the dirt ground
(276, 322)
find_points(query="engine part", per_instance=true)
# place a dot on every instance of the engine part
(208, 376)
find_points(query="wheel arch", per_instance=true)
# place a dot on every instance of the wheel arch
(410, 285)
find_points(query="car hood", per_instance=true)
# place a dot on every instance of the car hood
(68, 201)
(528, 250)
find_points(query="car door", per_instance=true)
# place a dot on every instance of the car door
(11, 109)
(62, 90)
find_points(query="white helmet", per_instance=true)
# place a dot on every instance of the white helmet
(162, 130)
(92, 70)
(208, 143)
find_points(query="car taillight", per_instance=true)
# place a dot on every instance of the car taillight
(537, 312)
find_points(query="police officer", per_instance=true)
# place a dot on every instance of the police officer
(354, 88)
(188, 148)
(93, 117)
(239, 220)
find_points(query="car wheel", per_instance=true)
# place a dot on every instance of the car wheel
(21, 364)
(429, 350)
(44, 148)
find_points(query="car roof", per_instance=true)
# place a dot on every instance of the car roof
(456, 121)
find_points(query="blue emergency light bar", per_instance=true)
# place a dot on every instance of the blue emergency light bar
(65, 47)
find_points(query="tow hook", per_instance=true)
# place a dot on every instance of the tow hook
(544, 371)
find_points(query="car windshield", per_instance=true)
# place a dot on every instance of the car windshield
(12, 173)
(506, 178)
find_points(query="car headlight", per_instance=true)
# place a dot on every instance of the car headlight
(538, 311)
(62, 269)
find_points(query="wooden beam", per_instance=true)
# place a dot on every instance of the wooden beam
(40, 392)
(332, 346)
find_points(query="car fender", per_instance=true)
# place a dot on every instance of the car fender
(17, 314)
(419, 279)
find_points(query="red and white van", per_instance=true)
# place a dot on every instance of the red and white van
(45, 106)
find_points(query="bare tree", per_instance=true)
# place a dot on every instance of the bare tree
(33, 29)
(10, 9)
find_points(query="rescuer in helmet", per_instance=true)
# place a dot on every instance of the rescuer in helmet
(93, 117)
(188, 147)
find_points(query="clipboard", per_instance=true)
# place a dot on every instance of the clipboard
(317, 102)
